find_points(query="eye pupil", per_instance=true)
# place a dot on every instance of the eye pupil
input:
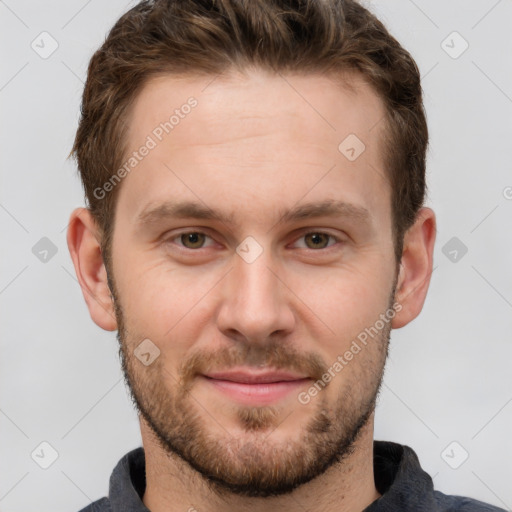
(196, 239)
(317, 239)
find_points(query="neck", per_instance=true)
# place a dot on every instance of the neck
(171, 484)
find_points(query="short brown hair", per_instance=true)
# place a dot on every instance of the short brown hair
(212, 36)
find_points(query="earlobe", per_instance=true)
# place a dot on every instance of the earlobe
(415, 268)
(84, 247)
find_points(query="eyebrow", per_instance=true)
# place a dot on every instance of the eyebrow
(193, 210)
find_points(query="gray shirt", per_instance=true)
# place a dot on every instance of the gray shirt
(404, 486)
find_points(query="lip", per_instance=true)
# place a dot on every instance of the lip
(255, 377)
(255, 388)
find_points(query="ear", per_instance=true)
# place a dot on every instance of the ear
(84, 247)
(415, 268)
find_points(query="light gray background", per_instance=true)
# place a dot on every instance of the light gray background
(448, 377)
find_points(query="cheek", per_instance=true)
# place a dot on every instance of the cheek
(346, 300)
(163, 302)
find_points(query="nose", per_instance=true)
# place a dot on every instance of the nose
(256, 303)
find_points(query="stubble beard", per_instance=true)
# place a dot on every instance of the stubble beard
(252, 465)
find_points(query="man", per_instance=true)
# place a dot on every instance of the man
(255, 178)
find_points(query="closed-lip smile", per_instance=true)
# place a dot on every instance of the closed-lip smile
(255, 387)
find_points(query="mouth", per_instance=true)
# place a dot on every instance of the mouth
(255, 387)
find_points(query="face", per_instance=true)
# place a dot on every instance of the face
(251, 255)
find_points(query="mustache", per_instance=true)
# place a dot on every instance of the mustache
(276, 356)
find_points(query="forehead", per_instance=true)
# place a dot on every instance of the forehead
(257, 135)
(313, 101)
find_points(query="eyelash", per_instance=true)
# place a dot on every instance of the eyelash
(183, 248)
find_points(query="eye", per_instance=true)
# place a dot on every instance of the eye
(198, 240)
(317, 240)
(191, 239)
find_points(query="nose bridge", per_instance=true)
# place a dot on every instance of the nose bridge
(255, 303)
(258, 285)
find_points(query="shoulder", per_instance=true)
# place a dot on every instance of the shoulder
(448, 503)
(102, 505)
